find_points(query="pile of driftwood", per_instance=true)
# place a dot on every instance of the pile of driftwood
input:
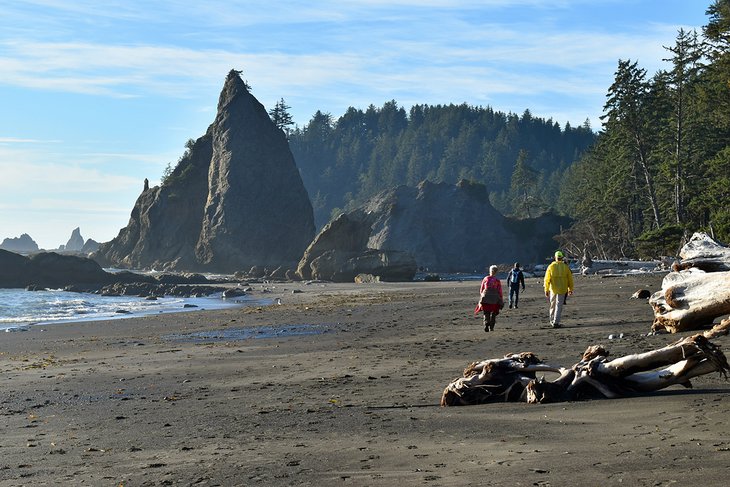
(697, 291)
(693, 295)
(514, 378)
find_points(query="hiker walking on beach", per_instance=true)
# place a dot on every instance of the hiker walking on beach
(514, 279)
(490, 299)
(558, 283)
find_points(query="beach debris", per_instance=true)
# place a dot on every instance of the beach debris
(698, 289)
(641, 294)
(12, 329)
(514, 377)
(703, 252)
(619, 268)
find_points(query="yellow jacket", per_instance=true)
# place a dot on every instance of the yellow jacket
(558, 278)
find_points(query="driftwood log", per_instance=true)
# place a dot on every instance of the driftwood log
(514, 377)
(703, 252)
(690, 299)
(697, 291)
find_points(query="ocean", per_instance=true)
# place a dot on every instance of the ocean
(20, 309)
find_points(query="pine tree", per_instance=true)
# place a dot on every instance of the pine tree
(523, 185)
(625, 114)
(281, 117)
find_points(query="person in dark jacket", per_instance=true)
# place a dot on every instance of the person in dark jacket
(515, 279)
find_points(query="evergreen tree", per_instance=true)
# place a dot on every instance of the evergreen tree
(681, 81)
(523, 185)
(281, 117)
(625, 115)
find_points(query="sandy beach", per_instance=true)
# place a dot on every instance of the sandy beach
(144, 401)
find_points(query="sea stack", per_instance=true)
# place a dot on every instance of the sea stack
(235, 200)
(75, 242)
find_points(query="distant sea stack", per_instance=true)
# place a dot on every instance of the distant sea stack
(24, 243)
(234, 201)
(75, 242)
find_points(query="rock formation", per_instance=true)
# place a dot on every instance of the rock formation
(445, 228)
(49, 269)
(340, 253)
(75, 242)
(234, 200)
(82, 274)
(90, 246)
(24, 243)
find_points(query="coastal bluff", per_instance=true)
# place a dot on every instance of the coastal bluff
(235, 200)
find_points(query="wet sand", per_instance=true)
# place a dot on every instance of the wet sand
(138, 402)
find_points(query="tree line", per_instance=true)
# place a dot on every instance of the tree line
(660, 168)
(520, 159)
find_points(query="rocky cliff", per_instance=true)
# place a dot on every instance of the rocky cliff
(446, 228)
(234, 200)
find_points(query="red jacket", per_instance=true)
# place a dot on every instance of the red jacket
(493, 284)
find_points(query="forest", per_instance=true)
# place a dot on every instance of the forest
(520, 159)
(660, 168)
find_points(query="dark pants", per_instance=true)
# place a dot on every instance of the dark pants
(514, 294)
(490, 319)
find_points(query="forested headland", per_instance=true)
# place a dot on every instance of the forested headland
(656, 171)
(520, 159)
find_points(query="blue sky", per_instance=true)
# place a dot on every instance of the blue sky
(96, 96)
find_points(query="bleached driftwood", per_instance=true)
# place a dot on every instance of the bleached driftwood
(703, 252)
(621, 267)
(513, 378)
(690, 299)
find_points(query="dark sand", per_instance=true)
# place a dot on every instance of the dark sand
(117, 403)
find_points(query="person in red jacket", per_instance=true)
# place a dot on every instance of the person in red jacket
(490, 299)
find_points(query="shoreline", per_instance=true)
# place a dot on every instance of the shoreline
(109, 308)
(116, 402)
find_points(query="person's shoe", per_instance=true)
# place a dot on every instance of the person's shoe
(515, 306)
(491, 327)
(556, 325)
(486, 327)
(510, 306)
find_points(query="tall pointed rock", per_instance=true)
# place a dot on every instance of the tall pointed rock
(235, 199)
(257, 210)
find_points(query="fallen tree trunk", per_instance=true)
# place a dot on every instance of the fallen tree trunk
(621, 267)
(690, 299)
(703, 252)
(513, 378)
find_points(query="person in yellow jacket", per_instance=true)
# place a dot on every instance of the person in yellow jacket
(558, 282)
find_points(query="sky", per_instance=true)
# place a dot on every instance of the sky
(97, 96)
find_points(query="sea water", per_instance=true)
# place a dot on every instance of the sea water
(20, 309)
